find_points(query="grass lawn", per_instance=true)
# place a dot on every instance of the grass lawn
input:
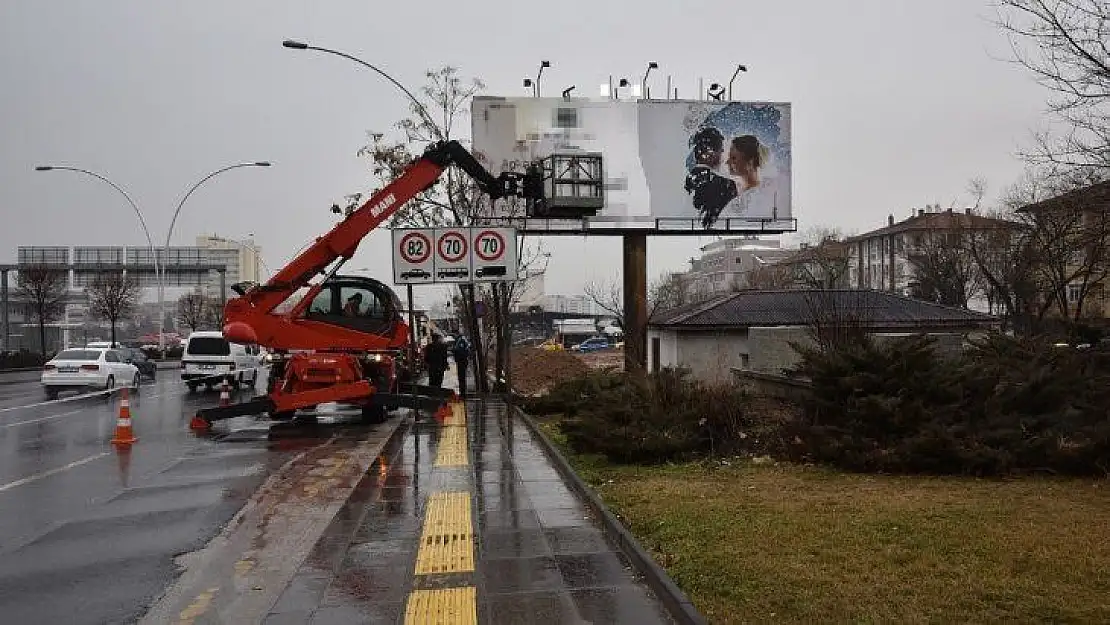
(754, 543)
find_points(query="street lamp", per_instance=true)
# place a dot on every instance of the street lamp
(299, 45)
(142, 222)
(169, 234)
(159, 266)
(543, 65)
(739, 68)
(643, 83)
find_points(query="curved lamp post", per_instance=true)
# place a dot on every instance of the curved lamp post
(300, 45)
(159, 266)
(158, 275)
(169, 233)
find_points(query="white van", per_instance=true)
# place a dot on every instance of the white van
(208, 359)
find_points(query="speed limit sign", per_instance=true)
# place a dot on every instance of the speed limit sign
(452, 255)
(495, 254)
(412, 256)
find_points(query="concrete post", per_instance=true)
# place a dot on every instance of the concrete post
(635, 302)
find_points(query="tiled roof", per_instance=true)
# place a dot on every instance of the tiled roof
(796, 307)
(1092, 197)
(938, 221)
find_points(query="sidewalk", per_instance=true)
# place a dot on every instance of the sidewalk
(465, 521)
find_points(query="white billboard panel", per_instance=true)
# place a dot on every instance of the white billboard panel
(706, 162)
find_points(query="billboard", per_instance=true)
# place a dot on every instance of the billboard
(713, 164)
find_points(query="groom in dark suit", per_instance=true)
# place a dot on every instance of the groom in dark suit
(711, 191)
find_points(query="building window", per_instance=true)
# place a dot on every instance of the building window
(745, 361)
(1074, 292)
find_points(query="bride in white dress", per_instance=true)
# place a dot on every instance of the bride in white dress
(748, 166)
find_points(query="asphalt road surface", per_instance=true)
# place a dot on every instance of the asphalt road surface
(89, 534)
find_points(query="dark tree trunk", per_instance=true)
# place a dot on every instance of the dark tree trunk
(42, 336)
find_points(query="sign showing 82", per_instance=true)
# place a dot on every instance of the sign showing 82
(415, 248)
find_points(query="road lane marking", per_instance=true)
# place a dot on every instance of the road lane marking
(69, 399)
(46, 474)
(50, 418)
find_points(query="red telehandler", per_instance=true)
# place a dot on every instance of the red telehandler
(324, 353)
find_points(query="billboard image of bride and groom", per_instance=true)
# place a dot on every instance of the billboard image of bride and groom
(707, 162)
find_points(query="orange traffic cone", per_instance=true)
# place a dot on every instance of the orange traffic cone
(124, 434)
(225, 395)
(199, 424)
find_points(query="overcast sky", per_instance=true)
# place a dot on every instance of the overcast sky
(896, 104)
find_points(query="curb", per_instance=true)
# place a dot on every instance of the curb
(676, 601)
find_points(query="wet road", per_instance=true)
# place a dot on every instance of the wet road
(87, 533)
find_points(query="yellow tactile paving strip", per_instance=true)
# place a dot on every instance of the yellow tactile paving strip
(453, 450)
(447, 543)
(457, 415)
(449, 606)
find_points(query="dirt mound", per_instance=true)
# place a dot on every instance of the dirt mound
(536, 369)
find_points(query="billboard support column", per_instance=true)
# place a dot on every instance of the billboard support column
(635, 302)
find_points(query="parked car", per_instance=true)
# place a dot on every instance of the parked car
(147, 367)
(87, 368)
(208, 359)
(592, 345)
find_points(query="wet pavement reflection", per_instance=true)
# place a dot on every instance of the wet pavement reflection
(538, 555)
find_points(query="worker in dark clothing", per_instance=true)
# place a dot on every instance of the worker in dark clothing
(435, 355)
(461, 352)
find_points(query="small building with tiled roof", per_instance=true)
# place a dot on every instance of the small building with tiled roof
(754, 330)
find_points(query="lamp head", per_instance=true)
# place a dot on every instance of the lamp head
(653, 65)
(294, 45)
(624, 82)
(545, 63)
(527, 82)
(43, 168)
(262, 164)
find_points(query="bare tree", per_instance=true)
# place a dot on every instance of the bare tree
(112, 296)
(769, 276)
(1063, 43)
(608, 295)
(43, 287)
(821, 263)
(944, 272)
(1068, 236)
(193, 310)
(836, 317)
(455, 200)
(670, 290)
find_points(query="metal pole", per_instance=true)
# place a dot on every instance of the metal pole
(412, 351)
(4, 304)
(635, 302)
(507, 330)
(223, 293)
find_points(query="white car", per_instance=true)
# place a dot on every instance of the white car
(208, 359)
(87, 368)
